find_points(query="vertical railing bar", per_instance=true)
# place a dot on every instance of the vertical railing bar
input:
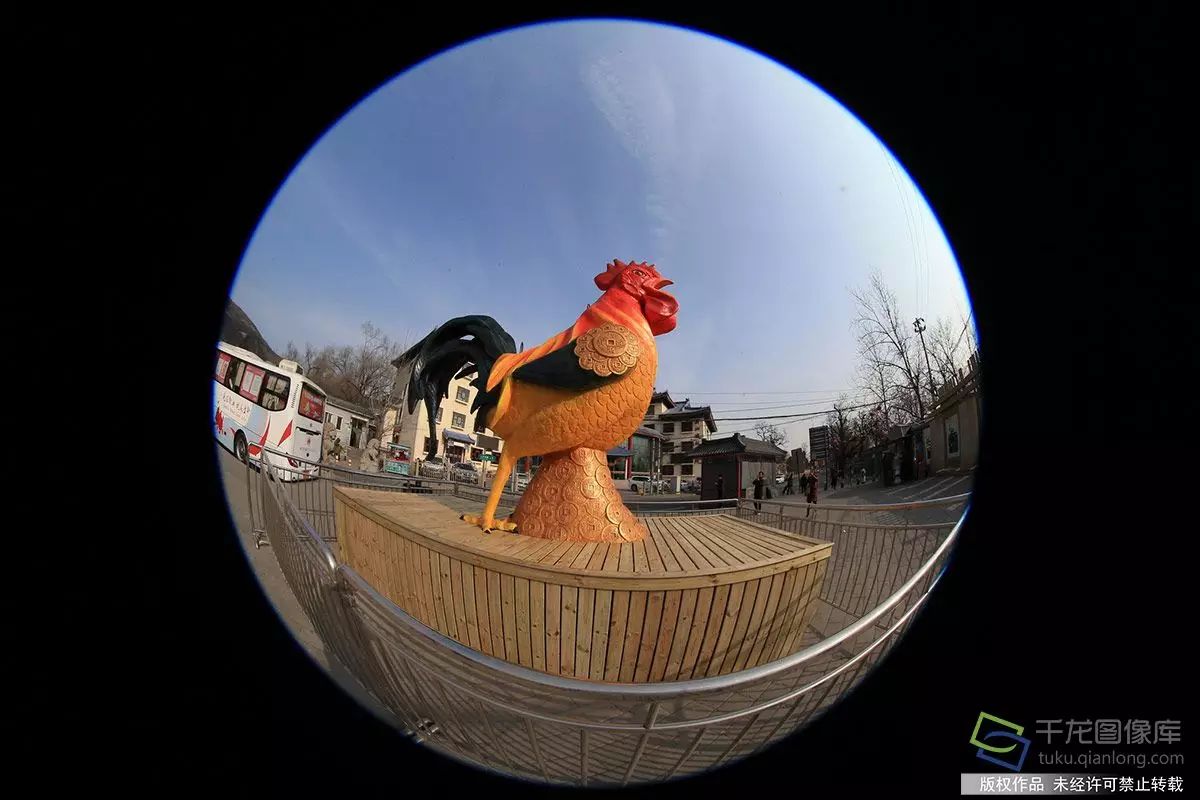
(537, 751)
(651, 718)
(687, 753)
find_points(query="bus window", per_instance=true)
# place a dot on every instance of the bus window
(233, 376)
(312, 404)
(251, 383)
(223, 360)
(275, 392)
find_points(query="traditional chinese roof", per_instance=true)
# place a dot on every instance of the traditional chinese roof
(648, 433)
(685, 411)
(662, 397)
(457, 437)
(736, 445)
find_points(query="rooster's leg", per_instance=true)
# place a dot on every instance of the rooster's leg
(487, 520)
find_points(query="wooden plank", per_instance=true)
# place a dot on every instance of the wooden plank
(721, 619)
(496, 614)
(470, 612)
(704, 602)
(754, 620)
(626, 563)
(439, 607)
(483, 612)
(448, 610)
(814, 576)
(612, 561)
(668, 542)
(599, 637)
(521, 609)
(553, 628)
(423, 556)
(583, 632)
(654, 559)
(570, 613)
(682, 632)
(599, 554)
(701, 555)
(508, 600)
(618, 618)
(571, 554)
(782, 616)
(537, 623)
(773, 544)
(650, 629)
(768, 621)
(641, 564)
(745, 612)
(551, 556)
(584, 556)
(772, 540)
(666, 635)
(456, 593)
(412, 576)
(663, 559)
(742, 551)
(633, 636)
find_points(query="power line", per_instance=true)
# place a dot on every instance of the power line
(794, 416)
(798, 391)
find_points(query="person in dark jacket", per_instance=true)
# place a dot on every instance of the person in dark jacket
(811, 489)
(787, 486)
(760, 489)
(720, 487)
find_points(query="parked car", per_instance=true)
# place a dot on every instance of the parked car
(780, 479)
(640, 483)
(692, 486)
(464, 471)
(433, 467)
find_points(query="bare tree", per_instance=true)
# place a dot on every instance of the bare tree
(949, 347)
(889, 350)
(770, 433)
(842, 444)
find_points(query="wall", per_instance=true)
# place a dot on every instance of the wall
(348, 418)
(415, 427)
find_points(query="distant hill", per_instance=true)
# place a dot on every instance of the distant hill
(238, 329)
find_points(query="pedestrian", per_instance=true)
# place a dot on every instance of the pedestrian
(811, 493)
(760, 487)
(787, 486)
(720, 487)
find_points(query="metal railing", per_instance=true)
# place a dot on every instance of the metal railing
(500, 716)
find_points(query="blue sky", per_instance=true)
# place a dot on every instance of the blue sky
(500, 177)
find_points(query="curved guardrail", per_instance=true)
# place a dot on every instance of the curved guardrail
(504, 717)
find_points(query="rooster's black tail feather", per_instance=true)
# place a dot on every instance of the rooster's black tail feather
(446, 354)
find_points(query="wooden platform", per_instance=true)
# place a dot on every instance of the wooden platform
(702, 595)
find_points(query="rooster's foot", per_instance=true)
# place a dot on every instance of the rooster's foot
(487, 526)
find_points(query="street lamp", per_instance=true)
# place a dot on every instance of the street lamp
(919, 327)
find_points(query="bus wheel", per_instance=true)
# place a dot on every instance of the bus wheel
(239, 447)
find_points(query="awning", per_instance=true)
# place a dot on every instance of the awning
(488, 442)
(620, 452)
(455, 436)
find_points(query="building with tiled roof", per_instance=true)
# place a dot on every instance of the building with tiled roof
(736, 460)
(683, 428)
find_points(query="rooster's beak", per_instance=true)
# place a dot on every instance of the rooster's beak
(662, 283)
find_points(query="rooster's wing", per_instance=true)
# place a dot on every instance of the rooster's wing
(598, 357)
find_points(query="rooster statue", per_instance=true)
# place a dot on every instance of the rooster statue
(569, 400)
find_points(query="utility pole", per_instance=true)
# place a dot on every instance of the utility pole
(919, 327)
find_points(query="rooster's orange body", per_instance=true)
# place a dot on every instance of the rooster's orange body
(570, 400)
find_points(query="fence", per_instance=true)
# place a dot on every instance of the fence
(500, 716)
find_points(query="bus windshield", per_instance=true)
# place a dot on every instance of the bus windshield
(312, 404)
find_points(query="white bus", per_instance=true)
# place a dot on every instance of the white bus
(257, 404)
